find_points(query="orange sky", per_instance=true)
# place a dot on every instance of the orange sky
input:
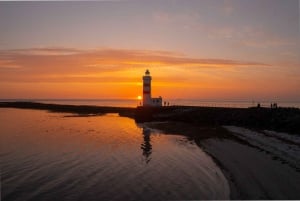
(112, 73)
(231, 49)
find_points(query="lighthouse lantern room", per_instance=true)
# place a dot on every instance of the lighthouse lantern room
(147, 99)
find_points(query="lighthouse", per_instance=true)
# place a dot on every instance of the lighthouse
(147, 99)
(147, 89)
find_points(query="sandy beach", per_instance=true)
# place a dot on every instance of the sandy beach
(254, 170)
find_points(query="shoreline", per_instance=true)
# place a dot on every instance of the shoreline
(76, 109)
(276, 119)
(251, 171)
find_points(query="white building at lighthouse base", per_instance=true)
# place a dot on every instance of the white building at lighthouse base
(156, 101)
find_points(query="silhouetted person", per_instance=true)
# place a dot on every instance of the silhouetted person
(258, 105)
(273, 105)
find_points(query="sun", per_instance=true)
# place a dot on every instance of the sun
(139, 97)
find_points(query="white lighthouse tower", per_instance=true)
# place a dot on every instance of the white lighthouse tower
(147, 99)
(147, 89)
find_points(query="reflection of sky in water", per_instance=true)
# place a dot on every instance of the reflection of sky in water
(101, 157)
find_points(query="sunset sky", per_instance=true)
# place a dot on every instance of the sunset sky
(204, 49)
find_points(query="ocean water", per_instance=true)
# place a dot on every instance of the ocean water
(57, 156)
(187, 102)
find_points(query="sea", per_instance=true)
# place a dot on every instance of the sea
(61, 156)
(186, 102)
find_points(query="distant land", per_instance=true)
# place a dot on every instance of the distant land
(133, 102)
(277, 119)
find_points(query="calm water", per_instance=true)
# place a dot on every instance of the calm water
(50, 156)
(189, 102)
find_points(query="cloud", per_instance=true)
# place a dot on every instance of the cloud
(8, 64)
(42, 51)
(113, 58)
(97, 65)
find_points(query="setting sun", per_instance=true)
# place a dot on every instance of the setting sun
(139, 97)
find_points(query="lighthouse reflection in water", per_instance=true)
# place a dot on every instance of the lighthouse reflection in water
(146, 145)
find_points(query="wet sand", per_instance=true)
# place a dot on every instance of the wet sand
(252, 171)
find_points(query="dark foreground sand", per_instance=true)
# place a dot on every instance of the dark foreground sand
(253, 172)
